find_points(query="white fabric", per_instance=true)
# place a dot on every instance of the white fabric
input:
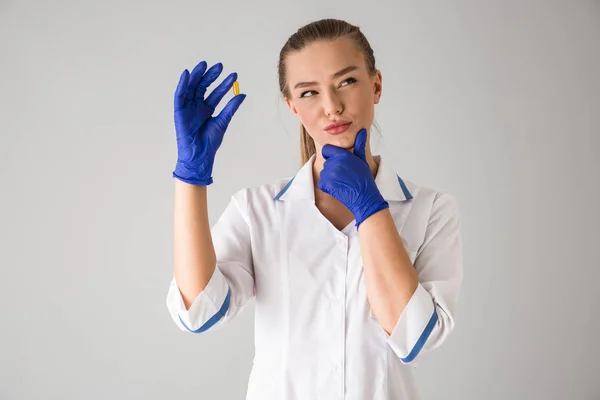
(315, 335)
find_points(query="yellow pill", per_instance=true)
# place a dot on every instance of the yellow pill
(236, 88)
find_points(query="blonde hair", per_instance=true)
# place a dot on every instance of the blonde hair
(322, 30)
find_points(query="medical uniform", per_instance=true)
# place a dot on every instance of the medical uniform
(315, 334)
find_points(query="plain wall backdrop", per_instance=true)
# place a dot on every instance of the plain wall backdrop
(497, 103)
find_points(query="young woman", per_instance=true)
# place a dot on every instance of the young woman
(354, 271)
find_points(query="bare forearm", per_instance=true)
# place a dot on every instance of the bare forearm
(390, 277)
(194, 253)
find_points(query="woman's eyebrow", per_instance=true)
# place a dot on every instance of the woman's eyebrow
(336, 75)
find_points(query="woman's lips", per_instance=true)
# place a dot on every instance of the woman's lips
(338, 129)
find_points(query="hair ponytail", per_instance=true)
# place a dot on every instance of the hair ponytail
(307, 145)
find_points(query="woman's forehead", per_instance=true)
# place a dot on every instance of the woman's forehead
(322, 59)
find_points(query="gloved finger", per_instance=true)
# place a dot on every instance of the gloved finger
(217, 95)
(330, 150)
(181, 90)
(195, 78)
(207, 79)
(224, 118)
(322, 185)
(360, 143)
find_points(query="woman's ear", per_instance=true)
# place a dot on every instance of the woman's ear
(291, 105)
(377, 86)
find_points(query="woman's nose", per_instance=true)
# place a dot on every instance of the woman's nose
(333, 105)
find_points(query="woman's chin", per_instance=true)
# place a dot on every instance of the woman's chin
(345, 141)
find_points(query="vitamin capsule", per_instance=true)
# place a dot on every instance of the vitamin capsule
(236, 88)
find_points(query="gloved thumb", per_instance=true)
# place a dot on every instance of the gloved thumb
(224, 118)
(330, 150)
(360, 144)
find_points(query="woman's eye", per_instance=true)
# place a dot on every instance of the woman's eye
(349, 81)
(308, 91)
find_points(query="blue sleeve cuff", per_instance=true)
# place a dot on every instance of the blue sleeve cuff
(414, 327)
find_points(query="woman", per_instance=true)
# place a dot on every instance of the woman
(354, 271)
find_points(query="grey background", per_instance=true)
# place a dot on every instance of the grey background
(497, 103)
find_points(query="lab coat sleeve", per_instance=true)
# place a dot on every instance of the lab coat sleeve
(429, 316)
(232, 283)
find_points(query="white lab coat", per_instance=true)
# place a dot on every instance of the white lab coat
(315, 334)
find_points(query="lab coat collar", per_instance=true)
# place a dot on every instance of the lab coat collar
(301, 186)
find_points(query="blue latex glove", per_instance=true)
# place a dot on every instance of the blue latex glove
(199, 134)
(347, 177)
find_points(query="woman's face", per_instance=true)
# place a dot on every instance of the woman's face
(329, 83)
